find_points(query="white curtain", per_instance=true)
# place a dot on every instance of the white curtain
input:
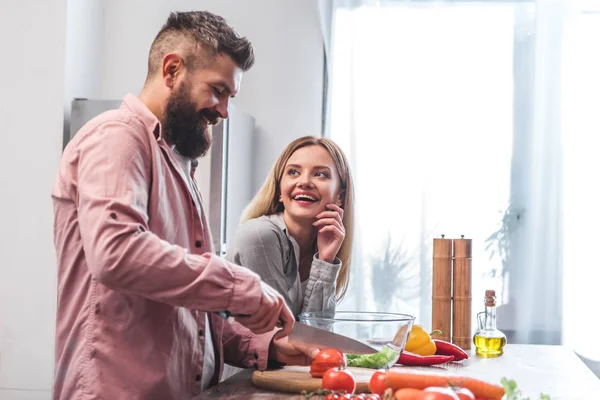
(475, 119)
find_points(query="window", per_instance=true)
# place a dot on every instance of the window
(422, 101)
(581, 123)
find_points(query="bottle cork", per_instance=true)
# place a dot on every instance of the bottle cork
(490, 298)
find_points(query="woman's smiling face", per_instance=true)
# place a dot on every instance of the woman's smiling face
(310, 180)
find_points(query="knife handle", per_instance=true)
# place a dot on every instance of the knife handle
(227, 314)
(223, 314)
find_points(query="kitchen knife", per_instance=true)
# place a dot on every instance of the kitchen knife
(319, 338)
(307, 335)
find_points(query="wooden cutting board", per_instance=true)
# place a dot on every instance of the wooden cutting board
(295, 379)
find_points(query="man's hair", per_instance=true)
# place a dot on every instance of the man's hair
(200, 35)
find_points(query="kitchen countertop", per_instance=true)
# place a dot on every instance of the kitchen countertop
(553, 370)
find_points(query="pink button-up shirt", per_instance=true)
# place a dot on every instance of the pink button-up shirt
(135, 270)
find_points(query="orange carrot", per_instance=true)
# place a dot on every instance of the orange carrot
(396, 378)
(408, 394)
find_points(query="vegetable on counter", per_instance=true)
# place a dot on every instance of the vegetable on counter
(386, 355)
(339, 379)
(408, 394)
(398, 379)
(464, 394)
(439, 393)
(430, 393)
(420, 342)
(514, 393)
(408, 358)
(377, 383)
(326, 359)
(375, 361)
(450, 349)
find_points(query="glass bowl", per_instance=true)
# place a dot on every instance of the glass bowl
(372, 328)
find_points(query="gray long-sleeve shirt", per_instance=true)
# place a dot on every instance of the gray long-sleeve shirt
(264, 246)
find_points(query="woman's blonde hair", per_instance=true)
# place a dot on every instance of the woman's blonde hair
(266, 201)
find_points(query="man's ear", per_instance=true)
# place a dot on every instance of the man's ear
(172, 67)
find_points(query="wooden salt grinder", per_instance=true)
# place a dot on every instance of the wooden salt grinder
(441, 293)
(461, 296)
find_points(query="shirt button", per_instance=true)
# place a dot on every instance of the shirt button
(255, 356)
(255, 366)
(198, 243)
(113, 215)
(200, 332)
(198, 378)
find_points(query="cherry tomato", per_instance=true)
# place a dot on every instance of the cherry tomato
(326, 359)
(408, 394)
(332, 396)
(339, 379)
(377, 383)
(360, 397)
(464, 394)
(347, 396)
(439, 393)
(373, 396)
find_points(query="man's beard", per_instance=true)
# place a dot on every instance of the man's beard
(184, 126)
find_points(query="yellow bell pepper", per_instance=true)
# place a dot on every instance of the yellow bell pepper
(419, 342)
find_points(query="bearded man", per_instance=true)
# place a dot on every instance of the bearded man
(138, 286)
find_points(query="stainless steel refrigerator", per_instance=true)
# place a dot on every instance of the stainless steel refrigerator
(225, 174)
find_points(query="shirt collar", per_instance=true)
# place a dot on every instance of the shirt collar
(278, 220)
(137, 107)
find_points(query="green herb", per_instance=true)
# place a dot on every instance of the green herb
(514, 393)
(376, 360)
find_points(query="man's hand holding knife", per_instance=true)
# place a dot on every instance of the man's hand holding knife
(272, 313)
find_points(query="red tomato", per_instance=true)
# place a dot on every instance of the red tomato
(360, 397)
(339, 380)
(377, 383)
(439, 393)
(326, 359)
(332, 396)
(464, 394)
(373, 396)
(408, 394)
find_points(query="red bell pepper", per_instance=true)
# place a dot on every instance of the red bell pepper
(449, 349)
(408, 358)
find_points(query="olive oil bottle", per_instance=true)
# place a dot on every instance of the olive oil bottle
(489, 341)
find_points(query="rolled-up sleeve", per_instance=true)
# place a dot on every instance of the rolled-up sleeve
(113, 180)
(244, 349)
(321, 286)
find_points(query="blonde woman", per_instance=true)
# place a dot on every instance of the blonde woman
(297, 232)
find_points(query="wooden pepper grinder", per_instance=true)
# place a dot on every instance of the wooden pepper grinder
(461, 296)
(441, 294)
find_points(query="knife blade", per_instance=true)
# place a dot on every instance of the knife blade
(319, 338)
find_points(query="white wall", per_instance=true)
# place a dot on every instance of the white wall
(84, 34)
(283, 90)
(31, 117)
